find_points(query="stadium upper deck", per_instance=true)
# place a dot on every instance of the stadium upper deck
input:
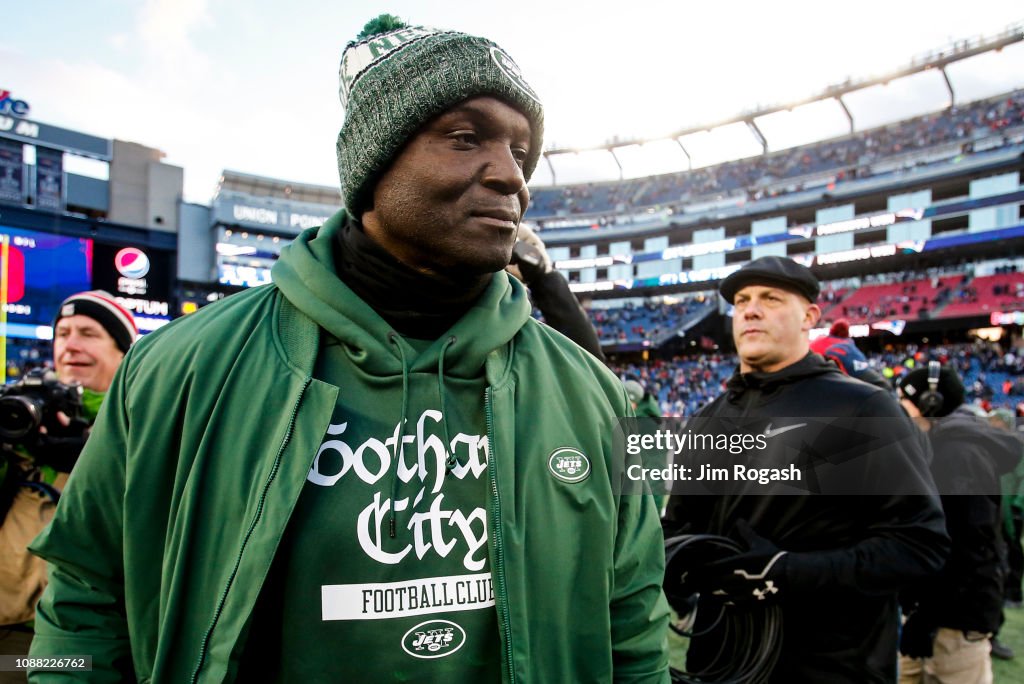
(986, 123)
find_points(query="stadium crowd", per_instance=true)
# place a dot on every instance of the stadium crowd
(952, 290)
(993, 377)
(650, 321)
(846, 158)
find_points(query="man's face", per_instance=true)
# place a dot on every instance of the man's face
(915, 413)
(770, 327)
(451, 201)
(84, 352)
(910, 407)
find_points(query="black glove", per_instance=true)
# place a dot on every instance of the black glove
(755, 575)
(60, 446)
(530, 256)
(530, 261)
(918, 637)
(60, 453)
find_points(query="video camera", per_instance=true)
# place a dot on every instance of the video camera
(34, 402)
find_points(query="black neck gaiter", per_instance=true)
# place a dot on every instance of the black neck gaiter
(415, 304)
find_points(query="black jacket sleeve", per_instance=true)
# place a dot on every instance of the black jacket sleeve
(905, 541)
(562, 311)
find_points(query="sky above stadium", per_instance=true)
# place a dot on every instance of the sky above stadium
(251, 85)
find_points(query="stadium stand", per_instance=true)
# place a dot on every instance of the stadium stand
(1000, 292)
(841, 159)
(911, 299)
(993, 377)
(651, 323)
(950, 292)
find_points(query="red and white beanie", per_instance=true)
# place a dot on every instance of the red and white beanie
(104, 309)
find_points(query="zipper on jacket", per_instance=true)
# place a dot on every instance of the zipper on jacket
(750, 399)
(248, 534)
(499, 556)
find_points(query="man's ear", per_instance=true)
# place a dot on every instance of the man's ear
(811, 316)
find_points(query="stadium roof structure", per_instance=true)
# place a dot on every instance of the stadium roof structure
(262, 186)
(933, 60)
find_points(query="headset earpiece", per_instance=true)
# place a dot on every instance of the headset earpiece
(932, 400)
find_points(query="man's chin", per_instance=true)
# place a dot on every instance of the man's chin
(477, 268)
(73, 376)
(751, 351)
(491, 263)
(752, 358)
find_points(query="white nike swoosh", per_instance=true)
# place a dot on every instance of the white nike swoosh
(778, 431)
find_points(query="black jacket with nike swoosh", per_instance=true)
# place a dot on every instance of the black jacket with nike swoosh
(850, 553)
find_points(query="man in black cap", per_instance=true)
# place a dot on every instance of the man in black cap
(833, 563)
(953, 615)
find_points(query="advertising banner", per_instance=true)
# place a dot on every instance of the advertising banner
(12, 172)
(41, 270)
(49, 179)
(140, 279)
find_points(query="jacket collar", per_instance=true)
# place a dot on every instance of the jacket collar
(810, 365)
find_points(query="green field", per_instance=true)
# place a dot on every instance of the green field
(1012, 634)
(1006, 671)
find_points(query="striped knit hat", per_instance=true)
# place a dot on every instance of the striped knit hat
(395, 78)
(104, 309)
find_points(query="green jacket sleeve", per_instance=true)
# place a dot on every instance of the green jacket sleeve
(82, 611)
(1011, 485)
(639, 611)
(1017, 492)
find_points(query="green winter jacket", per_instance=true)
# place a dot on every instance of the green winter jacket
(168, 526)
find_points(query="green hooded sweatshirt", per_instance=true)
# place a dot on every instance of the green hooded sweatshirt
(407, 447)
(228, 436)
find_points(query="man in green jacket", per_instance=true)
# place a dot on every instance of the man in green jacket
(378, 468)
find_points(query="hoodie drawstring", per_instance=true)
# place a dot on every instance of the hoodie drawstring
(400, 445)
(450, 462)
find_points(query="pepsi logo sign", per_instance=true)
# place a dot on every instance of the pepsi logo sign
(132, 263)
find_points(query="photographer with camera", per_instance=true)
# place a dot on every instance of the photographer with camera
(44, 422)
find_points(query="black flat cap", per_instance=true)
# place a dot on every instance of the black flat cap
(775, 271)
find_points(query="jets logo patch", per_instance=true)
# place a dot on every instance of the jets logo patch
(511, 70)
(569, 465)
(433, 639)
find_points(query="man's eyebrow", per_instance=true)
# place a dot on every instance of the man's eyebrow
(462, 110)
(478, 113)
(469, 107)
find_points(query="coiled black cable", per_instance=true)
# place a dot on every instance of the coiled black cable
(749, 637)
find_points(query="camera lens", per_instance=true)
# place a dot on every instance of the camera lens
(18, 417)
